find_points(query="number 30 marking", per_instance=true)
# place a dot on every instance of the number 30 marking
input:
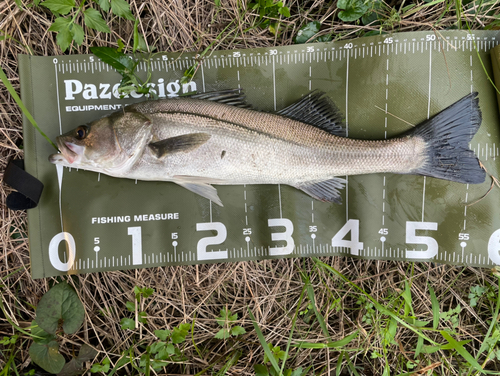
(286, 236)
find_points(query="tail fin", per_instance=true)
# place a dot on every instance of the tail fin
(447, 135)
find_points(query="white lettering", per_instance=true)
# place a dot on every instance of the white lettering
(104, 92)
(89, 92)
(72, 87)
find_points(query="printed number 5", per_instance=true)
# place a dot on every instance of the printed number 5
(412, 238)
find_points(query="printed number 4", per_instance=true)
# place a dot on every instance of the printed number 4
(354, 244)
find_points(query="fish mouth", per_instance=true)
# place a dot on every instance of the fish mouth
(69, 152)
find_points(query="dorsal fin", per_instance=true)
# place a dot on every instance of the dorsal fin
(232, 97)
(316, 109)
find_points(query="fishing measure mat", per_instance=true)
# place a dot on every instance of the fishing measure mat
(89, 222)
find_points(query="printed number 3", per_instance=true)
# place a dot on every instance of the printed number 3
(286, 236)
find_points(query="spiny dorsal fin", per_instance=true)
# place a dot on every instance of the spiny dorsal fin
(326, 190)
(316, 109)
(185, 142)
(231, 97)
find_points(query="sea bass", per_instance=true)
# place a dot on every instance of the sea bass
(214, 138)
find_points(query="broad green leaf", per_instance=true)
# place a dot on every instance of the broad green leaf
(118, 60)
(121, 8)
(324, 38)
(94, 20)
(103, 367)
(222, 334)
(179, 334)
(307, 32)
(104, 4)
(60, 303)
(60, 24)
(238, 330)
(130, 306)
(86, 353)
(170, 349)
(142, 317)
(353, 9)
(162, 334)
(45, 337)
(47, 356)
(59, 6)
(157, 346)
(284, 11)
(74, 367)
(77, 33)
(260, 370)
(127, 323)
(64, 39)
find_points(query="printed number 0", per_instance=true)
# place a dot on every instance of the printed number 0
(220, 238)
(412, 238)
(286, 236)
(54, 251)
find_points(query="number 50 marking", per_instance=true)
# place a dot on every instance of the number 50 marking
(412, 238)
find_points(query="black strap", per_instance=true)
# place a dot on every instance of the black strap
(29, 189)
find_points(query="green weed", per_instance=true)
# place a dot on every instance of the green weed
(227, 320)
(68, 30)
(59, 310)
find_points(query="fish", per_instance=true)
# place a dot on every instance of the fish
(216, 138)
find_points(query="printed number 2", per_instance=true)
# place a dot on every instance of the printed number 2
(412, 238)
(220, 238)
(286, 236)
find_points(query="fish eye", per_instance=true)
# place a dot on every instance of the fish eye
(81, 132)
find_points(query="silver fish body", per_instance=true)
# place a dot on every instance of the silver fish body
(196, 142)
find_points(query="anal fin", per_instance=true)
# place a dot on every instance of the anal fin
(202, 189)
(325, 190)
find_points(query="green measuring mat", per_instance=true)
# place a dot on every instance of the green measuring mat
(89, 222)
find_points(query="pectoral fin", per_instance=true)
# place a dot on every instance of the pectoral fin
(327, 190)
(183, 143)
(202, 189)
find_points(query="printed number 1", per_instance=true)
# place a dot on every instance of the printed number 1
(136, 233)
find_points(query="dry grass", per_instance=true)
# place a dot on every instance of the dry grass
(270, 289)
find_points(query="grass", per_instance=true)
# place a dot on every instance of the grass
(334, 316)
